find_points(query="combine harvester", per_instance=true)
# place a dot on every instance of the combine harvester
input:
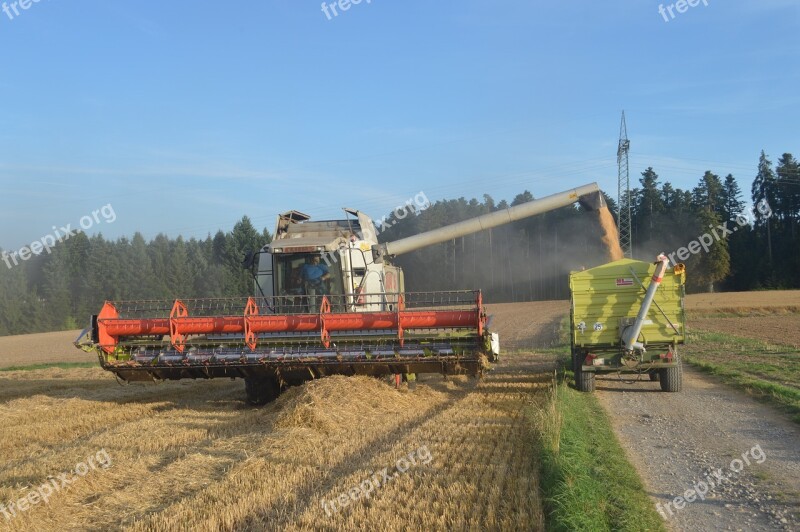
(357, 319)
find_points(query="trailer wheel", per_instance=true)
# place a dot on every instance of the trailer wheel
(261, 390)
(672, 378)
(584, 380)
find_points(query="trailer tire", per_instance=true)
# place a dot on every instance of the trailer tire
(671, 379)
(584, 380)
(261, 390)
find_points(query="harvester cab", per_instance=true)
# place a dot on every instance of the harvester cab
(327, 301)
(309, 259)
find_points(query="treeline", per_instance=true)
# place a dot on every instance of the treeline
(62, 289)
(526, 260)
(530, 259)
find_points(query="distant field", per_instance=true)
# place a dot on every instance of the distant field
(527, 326)
(750, 339)
(43, 348)
(778, 329)
(729, 302)
(772, 317)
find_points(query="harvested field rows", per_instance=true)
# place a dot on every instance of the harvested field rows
(190, 455)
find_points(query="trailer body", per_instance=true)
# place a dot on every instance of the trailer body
(604, 305)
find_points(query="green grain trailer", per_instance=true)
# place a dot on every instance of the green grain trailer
(627, 316)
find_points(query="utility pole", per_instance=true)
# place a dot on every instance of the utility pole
(624, 191)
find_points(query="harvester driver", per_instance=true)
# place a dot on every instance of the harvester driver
(314, 275)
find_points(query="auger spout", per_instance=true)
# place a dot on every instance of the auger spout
(588, 195)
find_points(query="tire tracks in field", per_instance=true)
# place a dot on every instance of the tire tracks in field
(350, 464)
(475, 450)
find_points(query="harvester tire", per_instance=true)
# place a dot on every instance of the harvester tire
(261, 390)
(672, 378)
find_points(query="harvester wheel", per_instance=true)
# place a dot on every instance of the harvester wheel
(672, 378)
(261, 390)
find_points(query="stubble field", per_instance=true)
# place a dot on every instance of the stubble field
(452, 454)
(338, 453)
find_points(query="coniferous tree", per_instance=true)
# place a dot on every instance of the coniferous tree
(787, 206)
(732, 203)
(765, 192)
(711, 264)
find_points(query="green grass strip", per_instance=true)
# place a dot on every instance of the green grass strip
(784, 397)
(587, 482)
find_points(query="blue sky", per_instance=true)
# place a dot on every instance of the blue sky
(186, 115)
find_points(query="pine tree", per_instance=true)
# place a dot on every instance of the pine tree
(178, 275)
(732, 204)
(712, 266)
(140, 267)
(709, 193)
(649, 206)
(56, 291)
(788, 185)
(764, 193)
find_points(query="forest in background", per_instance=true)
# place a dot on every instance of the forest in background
(523, 261)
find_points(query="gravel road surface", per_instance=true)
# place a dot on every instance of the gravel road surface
(697, 440)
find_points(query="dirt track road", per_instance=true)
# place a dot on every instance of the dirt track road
(678, 440)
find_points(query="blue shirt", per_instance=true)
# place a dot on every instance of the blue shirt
(313, 272)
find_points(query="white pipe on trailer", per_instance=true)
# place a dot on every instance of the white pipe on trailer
(631, 334)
